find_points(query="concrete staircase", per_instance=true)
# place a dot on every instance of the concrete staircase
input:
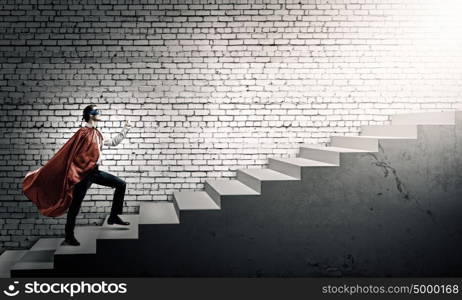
(384, 203)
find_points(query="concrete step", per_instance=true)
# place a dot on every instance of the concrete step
(192, 200)
(254, 177)
(425, 118)
(46, 244)
(226, 187)
(356, 142)
(328, 154)
(386, 137)
(381, 137)
(293, 166)
(158, 212)
(86, 235)
(393, 131)
(38, 260)
(40, 257)
(8, 259)
(115, 232)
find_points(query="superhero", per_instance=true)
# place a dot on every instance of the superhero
(61, 184)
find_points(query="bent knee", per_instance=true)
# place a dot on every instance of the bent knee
(122, 184)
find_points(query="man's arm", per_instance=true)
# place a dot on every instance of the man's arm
(114, 141)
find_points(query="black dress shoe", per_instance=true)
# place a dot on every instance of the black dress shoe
(116, 220)
(71, 241)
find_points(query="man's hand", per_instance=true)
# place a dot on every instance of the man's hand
(128, 124)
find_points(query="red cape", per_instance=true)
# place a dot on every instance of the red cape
(51, 186)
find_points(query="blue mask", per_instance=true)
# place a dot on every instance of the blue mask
(95, 112)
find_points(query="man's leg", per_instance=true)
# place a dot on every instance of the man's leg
(107, 179)
(80, 191)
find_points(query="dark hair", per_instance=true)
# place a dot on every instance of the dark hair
(86, 112)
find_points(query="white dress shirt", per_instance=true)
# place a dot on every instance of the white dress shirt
(110, 142)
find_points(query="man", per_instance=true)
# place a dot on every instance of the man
(62, 183)
(91, 116)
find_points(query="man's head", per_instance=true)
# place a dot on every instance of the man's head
(91, 112)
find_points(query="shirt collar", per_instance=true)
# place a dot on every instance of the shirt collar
(88, 124)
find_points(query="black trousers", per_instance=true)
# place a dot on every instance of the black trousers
(102, 178)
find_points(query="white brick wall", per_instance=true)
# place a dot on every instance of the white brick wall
(210, 87)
